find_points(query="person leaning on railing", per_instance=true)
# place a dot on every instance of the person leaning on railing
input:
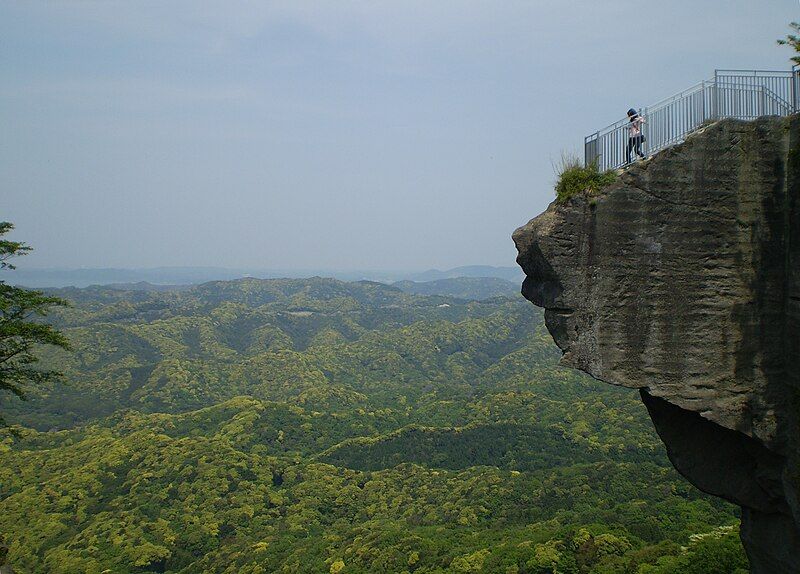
(635, 136)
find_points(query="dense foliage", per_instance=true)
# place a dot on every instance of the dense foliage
(320, 426)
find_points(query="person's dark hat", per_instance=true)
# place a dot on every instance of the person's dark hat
(632, 112)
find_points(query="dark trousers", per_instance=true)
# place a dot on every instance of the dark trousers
(634, 143)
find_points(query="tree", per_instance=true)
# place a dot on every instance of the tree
(20, 331)
(793, 40)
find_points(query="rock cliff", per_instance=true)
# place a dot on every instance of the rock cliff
(682, 279)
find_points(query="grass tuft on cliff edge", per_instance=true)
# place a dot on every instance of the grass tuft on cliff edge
(574, 178)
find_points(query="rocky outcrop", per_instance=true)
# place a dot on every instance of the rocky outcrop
(682, 279)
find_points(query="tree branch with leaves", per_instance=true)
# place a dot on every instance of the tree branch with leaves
(793, 40)
(21, 328)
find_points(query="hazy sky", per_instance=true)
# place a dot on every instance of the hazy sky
(342, 134)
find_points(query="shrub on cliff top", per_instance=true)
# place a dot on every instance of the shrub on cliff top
(574, 178)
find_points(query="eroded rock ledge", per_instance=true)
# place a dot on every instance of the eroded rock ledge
(683, 280)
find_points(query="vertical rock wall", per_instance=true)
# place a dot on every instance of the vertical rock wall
(683, 280)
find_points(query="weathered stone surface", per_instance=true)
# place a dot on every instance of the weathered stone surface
(683, 280)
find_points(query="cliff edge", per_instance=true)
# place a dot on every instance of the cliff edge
(682, 279)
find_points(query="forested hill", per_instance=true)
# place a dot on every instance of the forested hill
(322, 343)
(259, 426)
(462, 287)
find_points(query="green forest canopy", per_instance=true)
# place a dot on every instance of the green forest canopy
(260, 426)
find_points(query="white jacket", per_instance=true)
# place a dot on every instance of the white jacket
(635, 127)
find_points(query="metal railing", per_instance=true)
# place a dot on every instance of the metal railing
(740, 94)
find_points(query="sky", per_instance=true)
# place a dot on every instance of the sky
(335, 135)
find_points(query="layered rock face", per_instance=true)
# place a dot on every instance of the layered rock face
(683, 280)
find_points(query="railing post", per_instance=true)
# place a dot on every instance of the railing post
(590, 152)
(646, 129)
(703, 116)
(586, 152)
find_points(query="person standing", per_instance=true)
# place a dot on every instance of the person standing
(635, 136)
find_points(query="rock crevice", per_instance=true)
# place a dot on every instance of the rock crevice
(682, 279)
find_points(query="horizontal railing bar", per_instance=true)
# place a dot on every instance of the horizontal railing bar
(695, 88)
(782, 73)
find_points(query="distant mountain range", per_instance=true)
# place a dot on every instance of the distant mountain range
(158, 277)
(513, 274)
(469, 288)
(464, 288)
